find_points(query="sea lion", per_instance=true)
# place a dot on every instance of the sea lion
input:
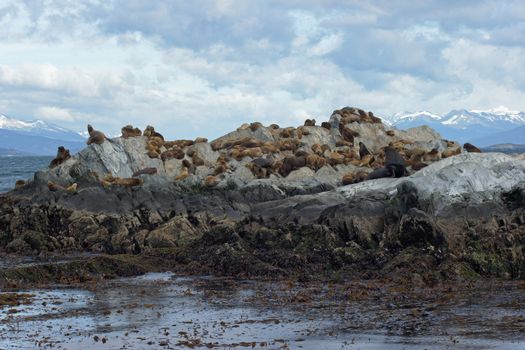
(471, 148)
(95, 136)
(201, 140)
(253, 152)
(255, 125)
(450, 152)
(315, 162)
(129, 131)
(287, 133)
(72, 189)
(261, 167)
(352, 178)
(244, 126)
(211, 181)
(309, 122)
(390, 133)
(20, 183)
(127, 181)
(373, 119)
(54, 187)
(347, 133)
(197, 161)
(363, 151)
(326, 125)
(380, 173)
(174, 152)
(62, 156)
(145, 171)
(183, 174)
(336, 158)
(290, 164)
(394, 162)
(150, 132)
(273, 126)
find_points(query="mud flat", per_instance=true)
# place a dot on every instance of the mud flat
(163, 310)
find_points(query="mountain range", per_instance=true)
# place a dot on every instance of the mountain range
(482, 128)
(36, 137)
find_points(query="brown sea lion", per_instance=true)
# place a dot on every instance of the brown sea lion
(449, 152)
(54, 187)
(183, 174)
(201, 140)
(62, 156)
(211, 181)
(347, 133)
(315, 162)
(145, 171)
(352, 178)
(20, 183)
(95, 136)
(471, 148)
(363, 151)
(172, 153)
(150, 132)
(196, 160)
(273, 126)
(390, 133)
(129, 131)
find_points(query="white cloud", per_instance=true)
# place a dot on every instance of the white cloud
(55, 114)
(76, 66)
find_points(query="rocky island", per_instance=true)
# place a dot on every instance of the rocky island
(272, 201)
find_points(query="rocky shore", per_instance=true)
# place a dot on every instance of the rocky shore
(265, 201)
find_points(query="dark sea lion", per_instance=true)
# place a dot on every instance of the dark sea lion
(471, 148)
(62, 156)
(394, 162)
(95, 136)
(309, 122)
(363, 151)
(326, 125)
(379, 173)
(130, 131)
(255, 125)
(290, 164)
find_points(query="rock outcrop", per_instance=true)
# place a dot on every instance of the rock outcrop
(270, 200)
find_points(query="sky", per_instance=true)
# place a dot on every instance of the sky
(204, 67)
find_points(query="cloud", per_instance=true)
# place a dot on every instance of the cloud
(55, 114)
(205, 67)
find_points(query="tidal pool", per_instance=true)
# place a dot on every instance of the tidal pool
(163, 310)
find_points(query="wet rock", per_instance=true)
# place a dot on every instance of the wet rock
(418, 228)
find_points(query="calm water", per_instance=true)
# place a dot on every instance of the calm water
(16, 168)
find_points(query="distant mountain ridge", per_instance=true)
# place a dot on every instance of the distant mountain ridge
(477, 126)
(37, 137)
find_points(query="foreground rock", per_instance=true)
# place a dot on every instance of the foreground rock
(461, 216)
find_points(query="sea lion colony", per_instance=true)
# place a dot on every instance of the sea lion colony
(274, 151)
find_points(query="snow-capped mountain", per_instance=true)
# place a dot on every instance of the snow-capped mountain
(39, 128)
(37, 137)
(463, 125)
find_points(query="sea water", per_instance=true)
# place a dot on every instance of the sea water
(20, 168)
